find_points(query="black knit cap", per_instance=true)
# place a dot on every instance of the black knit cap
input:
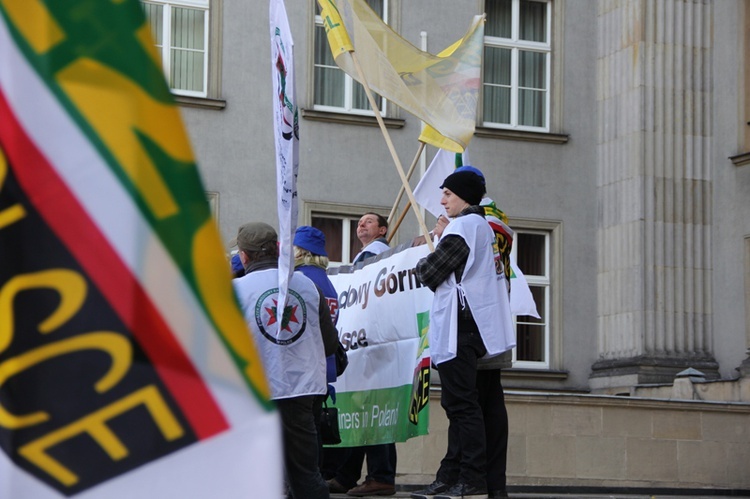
(467, 185)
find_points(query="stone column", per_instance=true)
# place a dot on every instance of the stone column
(654, 191)
(745, 366)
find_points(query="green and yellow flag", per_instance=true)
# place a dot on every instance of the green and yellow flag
(125, 361)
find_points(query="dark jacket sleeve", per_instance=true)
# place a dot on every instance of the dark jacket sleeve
(327, 329)
(449, 256)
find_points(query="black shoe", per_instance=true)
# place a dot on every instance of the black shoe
(463, 491)
(498, 494)
(432, 489)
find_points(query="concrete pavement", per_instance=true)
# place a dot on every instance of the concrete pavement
(527, 495)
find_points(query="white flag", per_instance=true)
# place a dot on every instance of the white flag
(427, 193)
(521, 299)
(286, 134)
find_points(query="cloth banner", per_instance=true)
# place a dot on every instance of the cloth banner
(383, 320)
(126, 367)
(286, 135)
(441, 90)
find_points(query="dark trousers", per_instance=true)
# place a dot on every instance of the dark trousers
(381, 464)
(460, 399)
(495, 415)
(301, 448)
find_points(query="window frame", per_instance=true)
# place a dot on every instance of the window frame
(349, 82)
(209, 97)
(341, 211)
(552, 230)
(515, 45)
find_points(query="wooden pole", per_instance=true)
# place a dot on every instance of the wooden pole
(392, 228)
(389, 143)
(401, 189)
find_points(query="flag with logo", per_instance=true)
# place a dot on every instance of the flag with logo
(441, 90)
(126, 367)
(286, 136)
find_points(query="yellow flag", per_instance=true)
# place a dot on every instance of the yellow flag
(338, 38)
(441, 90)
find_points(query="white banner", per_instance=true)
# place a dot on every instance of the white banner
(286, 134)
(383, 318)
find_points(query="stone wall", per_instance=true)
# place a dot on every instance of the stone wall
(606, 441)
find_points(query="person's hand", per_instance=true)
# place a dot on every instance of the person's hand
(442, 223)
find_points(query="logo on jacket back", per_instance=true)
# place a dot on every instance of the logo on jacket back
(293, 321)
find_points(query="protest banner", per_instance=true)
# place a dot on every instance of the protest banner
(383, 321)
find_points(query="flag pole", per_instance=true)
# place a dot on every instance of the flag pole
(401, 189)
(392, 228)
(389, 143)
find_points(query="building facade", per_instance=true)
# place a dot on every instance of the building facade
(615, 135)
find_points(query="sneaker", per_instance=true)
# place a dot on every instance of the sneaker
(372, 488)
(334, 487)
(463, 491)
(432, 489)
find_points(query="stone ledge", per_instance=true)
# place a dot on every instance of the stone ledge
(201, 102)
(349, 119)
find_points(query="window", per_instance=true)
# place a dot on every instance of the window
(180, 29)
(334, 90)
(531, 250)
(517, 65)
(339, 224)
(342, 244)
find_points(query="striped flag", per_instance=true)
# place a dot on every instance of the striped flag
(126, 367)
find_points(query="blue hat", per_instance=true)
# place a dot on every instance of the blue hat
(310, 239)
(236, 263)
(471, 169)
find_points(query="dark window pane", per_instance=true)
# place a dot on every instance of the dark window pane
(377, 6)
(497, 65)
(323, 54)
(538, 293)
(331, 227)
(188, 28)
(531, 109)
(329, 86)
(355, 244)
(496, 104)
(499, 20)
(532, 70)
(360, 98)
(155, 17)
(530, 341)
(531, 257)
(533, 23)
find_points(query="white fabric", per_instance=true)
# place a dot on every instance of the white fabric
(375, 247)
(293, 357)
(285, 128)
(481, 286)
(427, 193)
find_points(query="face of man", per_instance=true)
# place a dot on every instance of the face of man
(368, 229)
(452, 203)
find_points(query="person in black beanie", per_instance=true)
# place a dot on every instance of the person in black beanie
(466, 318)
